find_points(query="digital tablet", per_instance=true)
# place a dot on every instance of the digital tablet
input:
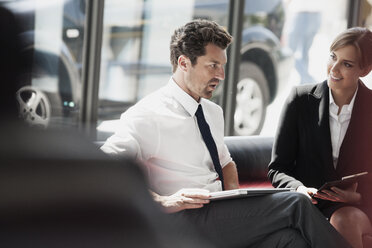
(245, 192)
(344, 182)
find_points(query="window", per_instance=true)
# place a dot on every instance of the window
(135, 54)
(52, 34)
(135, 51)
(308, 32)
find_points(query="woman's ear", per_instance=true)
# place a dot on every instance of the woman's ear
(183, 63)
(366, 70)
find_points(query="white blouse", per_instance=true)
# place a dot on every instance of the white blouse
(338, 124)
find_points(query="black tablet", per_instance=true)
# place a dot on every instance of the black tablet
(344, 182)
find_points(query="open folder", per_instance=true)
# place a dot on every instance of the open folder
(246, 192)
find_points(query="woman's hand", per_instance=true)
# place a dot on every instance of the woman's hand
(183, 199)
(348, 195)
(309, 192)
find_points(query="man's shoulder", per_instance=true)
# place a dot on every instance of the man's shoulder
(149, 103)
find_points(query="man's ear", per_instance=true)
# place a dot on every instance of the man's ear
(366, 70)
(183, 62)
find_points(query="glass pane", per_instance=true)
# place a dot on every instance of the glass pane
(366, 13)
(52, 35)
(135, 55)
(309, 29)
(135, 51)
(263, 67)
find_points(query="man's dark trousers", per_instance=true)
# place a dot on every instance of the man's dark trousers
(286, 219)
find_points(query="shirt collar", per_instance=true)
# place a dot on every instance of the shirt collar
(349, 106)
(189, 103)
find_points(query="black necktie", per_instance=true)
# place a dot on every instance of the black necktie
(208, 139)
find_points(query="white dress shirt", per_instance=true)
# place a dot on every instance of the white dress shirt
(162, 131)
(338, 124)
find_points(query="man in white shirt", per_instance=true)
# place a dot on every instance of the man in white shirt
(162, 131)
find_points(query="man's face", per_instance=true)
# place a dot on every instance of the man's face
(202, 78)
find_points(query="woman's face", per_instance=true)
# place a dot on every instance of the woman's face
(343, 70)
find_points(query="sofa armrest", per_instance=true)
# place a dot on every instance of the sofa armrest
(252, 155)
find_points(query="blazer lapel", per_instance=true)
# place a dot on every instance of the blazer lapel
(354, 135)
(319, 100)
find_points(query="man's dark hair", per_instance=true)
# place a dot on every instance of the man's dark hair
(191, 39)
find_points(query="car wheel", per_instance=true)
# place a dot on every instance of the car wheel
(251, 100)
(55, 74)
(34, 106)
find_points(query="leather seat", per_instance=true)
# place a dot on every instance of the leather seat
(252, 155)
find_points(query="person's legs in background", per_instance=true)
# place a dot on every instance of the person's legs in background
(302, 30)
(313, 20)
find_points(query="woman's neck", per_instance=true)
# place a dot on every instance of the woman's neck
(343, 97)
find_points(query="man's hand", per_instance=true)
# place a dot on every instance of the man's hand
(348, 195)
(183, 199)
(309, 192)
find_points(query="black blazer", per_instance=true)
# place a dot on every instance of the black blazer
(302, 150)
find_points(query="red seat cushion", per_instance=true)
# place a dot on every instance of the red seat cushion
(255, 184)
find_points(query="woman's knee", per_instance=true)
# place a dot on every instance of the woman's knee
(349, 217)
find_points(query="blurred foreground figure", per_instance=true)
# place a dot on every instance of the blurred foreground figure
(58, 190)
(10, 64)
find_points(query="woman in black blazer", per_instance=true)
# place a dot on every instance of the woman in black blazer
(325, 133)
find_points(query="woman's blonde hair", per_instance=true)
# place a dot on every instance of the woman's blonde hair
(361, 39)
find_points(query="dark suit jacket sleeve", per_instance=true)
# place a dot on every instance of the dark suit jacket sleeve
(285, 146)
